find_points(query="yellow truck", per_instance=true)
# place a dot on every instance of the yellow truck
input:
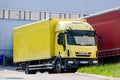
(55, 45)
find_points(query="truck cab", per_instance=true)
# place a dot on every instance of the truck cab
(76, 43)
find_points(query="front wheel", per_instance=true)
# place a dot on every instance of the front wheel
(58, 67)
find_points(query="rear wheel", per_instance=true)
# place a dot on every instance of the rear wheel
(41, 71)
(27, 71)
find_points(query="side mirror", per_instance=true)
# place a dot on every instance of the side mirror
(100, 40)
(60, 39)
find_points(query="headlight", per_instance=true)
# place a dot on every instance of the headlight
(70, 62)
(95, 61)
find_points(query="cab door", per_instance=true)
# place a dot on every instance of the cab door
(60, 45)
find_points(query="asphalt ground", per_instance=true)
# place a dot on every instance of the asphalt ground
(10, 73)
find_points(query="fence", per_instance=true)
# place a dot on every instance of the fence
(34, 15)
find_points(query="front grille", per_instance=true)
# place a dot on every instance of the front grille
(83, 54)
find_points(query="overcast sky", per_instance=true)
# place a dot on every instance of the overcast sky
(80, 6)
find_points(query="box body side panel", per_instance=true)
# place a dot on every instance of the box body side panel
(32, 42)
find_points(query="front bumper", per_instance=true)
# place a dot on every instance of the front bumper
(92, 61)
(76, 63)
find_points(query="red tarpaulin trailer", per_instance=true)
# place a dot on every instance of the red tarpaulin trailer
(107, 24)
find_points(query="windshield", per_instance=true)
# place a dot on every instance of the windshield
(83, 38)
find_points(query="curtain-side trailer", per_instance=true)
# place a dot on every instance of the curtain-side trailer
(107, 24)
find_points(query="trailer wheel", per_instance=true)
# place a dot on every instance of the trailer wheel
(58, 67)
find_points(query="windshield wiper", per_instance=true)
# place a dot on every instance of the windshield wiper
(85, 44)
(89, 44)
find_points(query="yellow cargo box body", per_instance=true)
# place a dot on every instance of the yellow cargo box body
(36, 41)
(33, 41)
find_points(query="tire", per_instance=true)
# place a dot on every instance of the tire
(27, 71)
(23, 67)
(41, 71)
(58, 67)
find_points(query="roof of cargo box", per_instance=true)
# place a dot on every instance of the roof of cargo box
(82, 20)
(102, 12)
(29, 24)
